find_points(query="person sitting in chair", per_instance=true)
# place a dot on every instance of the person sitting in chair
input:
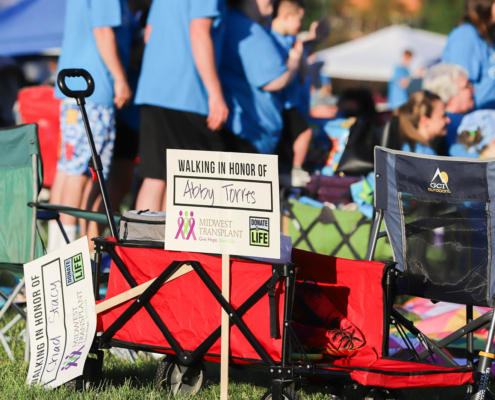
(421, 119)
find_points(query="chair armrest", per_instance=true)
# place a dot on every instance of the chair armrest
(76, 212)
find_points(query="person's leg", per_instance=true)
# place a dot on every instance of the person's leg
(164, 199)
(153, 144)
(103, 120)
(293, 148)
(300, 147)
(69, 129)
(55, 237)
(58, 187)
(118, 184)
(151, 195)
(72, 196)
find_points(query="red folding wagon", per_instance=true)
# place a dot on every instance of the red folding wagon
(182, 317)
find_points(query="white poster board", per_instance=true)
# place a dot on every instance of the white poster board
(61, 314)
(223, 203)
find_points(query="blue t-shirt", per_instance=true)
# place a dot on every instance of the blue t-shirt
(250, 60)
(465, 47)
(79, 49)
(169, 77)
(419, 148)
(291, 92)
(397, 95)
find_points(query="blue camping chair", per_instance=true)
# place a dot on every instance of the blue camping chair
(439, 213)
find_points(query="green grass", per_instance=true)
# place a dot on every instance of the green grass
(123, 380)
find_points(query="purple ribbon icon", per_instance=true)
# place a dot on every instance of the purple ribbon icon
(191, 223)
(72, 358)
(186, 226)
(180, 222)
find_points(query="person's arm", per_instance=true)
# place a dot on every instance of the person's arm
(318, 32)
(404, 82)
(107, 47)
(147, 32)
(204, 58)
(288, 76)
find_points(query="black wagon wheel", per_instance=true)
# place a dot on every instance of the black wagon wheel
(287, 394)
(384, 394)
(178, 378)
(90, 378)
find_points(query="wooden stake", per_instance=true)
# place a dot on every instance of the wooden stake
(138, 290)
(224, 360)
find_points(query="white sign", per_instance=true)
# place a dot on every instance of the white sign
(61, 314)
(226, 203)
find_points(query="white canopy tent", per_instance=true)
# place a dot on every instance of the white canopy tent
(374, 56)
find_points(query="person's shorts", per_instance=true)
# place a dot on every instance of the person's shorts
(76, 152)
(235, 144)
(294, 125)
(164, 128)
(126, 142)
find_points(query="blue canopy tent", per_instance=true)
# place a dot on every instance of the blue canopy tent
(32, 27)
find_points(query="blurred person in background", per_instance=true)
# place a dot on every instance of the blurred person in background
(421, 119)
(121, 176)
(471, 45)
(253, 71)
(318, 32)
(296, 133)
(97, 38)
(182, 104)
(450, 82)
(357, 103)
(397, 87)
(11, 80)
(323, 102)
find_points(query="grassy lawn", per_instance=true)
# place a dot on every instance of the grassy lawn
(125, 380)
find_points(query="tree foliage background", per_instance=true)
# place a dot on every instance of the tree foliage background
(350, 19)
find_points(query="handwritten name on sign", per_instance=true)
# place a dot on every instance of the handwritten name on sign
(211, 198)
(61, 316)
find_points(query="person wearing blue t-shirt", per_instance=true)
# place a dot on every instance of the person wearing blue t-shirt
(471, 46)
(182, 105)
(421, 120)
(397, 87)
(97, 38)
(296, 133)
(252, 71)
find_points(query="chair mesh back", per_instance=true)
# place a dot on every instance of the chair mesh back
(438, 215)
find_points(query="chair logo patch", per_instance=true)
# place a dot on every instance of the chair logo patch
(439, 182)
(74, 270)
(259, 231)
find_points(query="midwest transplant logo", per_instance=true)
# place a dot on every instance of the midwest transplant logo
(186, 226)
(439, 182)
(72, 359)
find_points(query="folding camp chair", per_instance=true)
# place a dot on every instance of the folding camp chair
(438, 213)
(21, 178)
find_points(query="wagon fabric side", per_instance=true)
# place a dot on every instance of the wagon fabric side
(356, 290)
(190, 311)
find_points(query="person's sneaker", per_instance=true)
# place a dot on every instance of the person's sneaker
(299, 177)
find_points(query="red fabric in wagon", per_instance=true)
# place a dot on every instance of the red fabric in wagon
(188, 308)
(355, 289)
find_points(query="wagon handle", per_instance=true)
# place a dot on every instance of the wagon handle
(76, 94)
